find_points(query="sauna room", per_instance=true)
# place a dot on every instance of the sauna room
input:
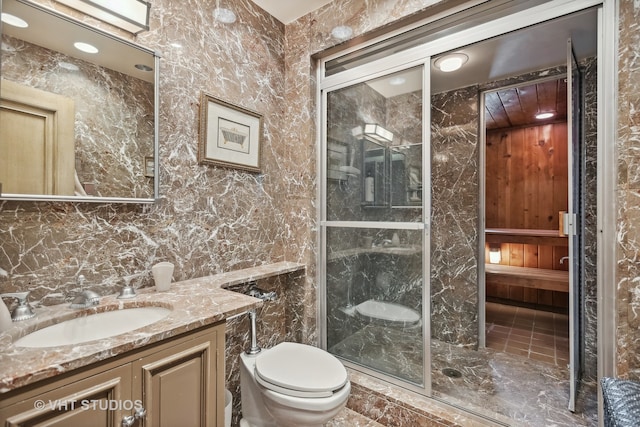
(526, 193)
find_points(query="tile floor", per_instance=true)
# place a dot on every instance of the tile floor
(539, 335)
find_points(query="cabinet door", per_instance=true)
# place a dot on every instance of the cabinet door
(184, 384)
(99, 400)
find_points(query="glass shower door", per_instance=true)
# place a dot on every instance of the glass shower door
(372, 227)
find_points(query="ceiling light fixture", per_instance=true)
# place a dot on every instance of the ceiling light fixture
(451, 62)
(13, 20)
(544, 115)
(130, 15)
(342, 32)
(226, 16)
(85, 47)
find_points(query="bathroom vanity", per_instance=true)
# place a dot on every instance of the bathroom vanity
(170, 372)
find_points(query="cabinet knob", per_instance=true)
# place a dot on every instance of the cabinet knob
(129, 420)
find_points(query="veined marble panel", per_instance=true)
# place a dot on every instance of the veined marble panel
(628, 197)
(454, 217)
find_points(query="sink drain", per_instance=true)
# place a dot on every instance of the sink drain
(452, 373)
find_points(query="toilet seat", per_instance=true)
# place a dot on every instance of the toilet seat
(388, 312)
(300, 370)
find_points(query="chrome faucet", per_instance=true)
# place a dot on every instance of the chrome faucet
(85, 298)
(23, 310)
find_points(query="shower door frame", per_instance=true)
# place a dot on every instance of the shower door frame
(422, 225)
(607, 78)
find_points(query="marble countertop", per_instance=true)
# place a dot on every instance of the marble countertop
(194, 303)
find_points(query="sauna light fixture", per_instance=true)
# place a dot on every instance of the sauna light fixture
(342, 32)
(85, 47)
(130, 15)
(451, 62)
(544, 115)
(13, 20)
(494, 254)
(223, 15)
(377, 133)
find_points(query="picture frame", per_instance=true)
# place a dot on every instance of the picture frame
(230, 135)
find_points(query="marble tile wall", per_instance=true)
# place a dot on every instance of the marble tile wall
(628, 193)
(454, 213)
(113, 129)
(208, 219)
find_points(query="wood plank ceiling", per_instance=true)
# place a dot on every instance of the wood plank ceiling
(518, 106)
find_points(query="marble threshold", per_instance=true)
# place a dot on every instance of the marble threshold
(194, 304)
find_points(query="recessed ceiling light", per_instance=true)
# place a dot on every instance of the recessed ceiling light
(85, 47)
(451, 62)
(397, 81)
(544, 115)
(176, 45)
(10, 19)
(342, 32)
(226, 16)
(143, 67)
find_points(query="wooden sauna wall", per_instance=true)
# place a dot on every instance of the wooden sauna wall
(526, 187)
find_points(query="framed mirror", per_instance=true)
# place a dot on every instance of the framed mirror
(75, 125)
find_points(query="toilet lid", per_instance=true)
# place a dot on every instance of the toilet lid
(300, 370)
(388, 311)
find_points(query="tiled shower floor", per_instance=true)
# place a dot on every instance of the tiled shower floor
(525, 391)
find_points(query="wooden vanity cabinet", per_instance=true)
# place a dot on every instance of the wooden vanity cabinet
(179, 381)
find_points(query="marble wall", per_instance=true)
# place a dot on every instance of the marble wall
(627, 248)
(208, 219)
(454, 217)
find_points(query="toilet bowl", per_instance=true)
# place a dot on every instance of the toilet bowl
(291, 385)
(388, 314)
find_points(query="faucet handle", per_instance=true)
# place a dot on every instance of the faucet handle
(23, 310)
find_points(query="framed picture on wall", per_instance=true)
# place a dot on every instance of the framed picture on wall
(230, 135)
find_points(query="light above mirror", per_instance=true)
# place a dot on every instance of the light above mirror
(130, 15)
(106, 146)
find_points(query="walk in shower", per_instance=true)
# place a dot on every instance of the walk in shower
(401, 260)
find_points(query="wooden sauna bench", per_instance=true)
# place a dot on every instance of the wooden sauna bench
(527, 277)
(525, 235)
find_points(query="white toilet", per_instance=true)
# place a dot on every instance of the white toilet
(291, 385)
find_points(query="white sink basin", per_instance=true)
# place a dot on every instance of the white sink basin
(93, 327)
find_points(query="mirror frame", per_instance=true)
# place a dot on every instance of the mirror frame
(156, 78)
